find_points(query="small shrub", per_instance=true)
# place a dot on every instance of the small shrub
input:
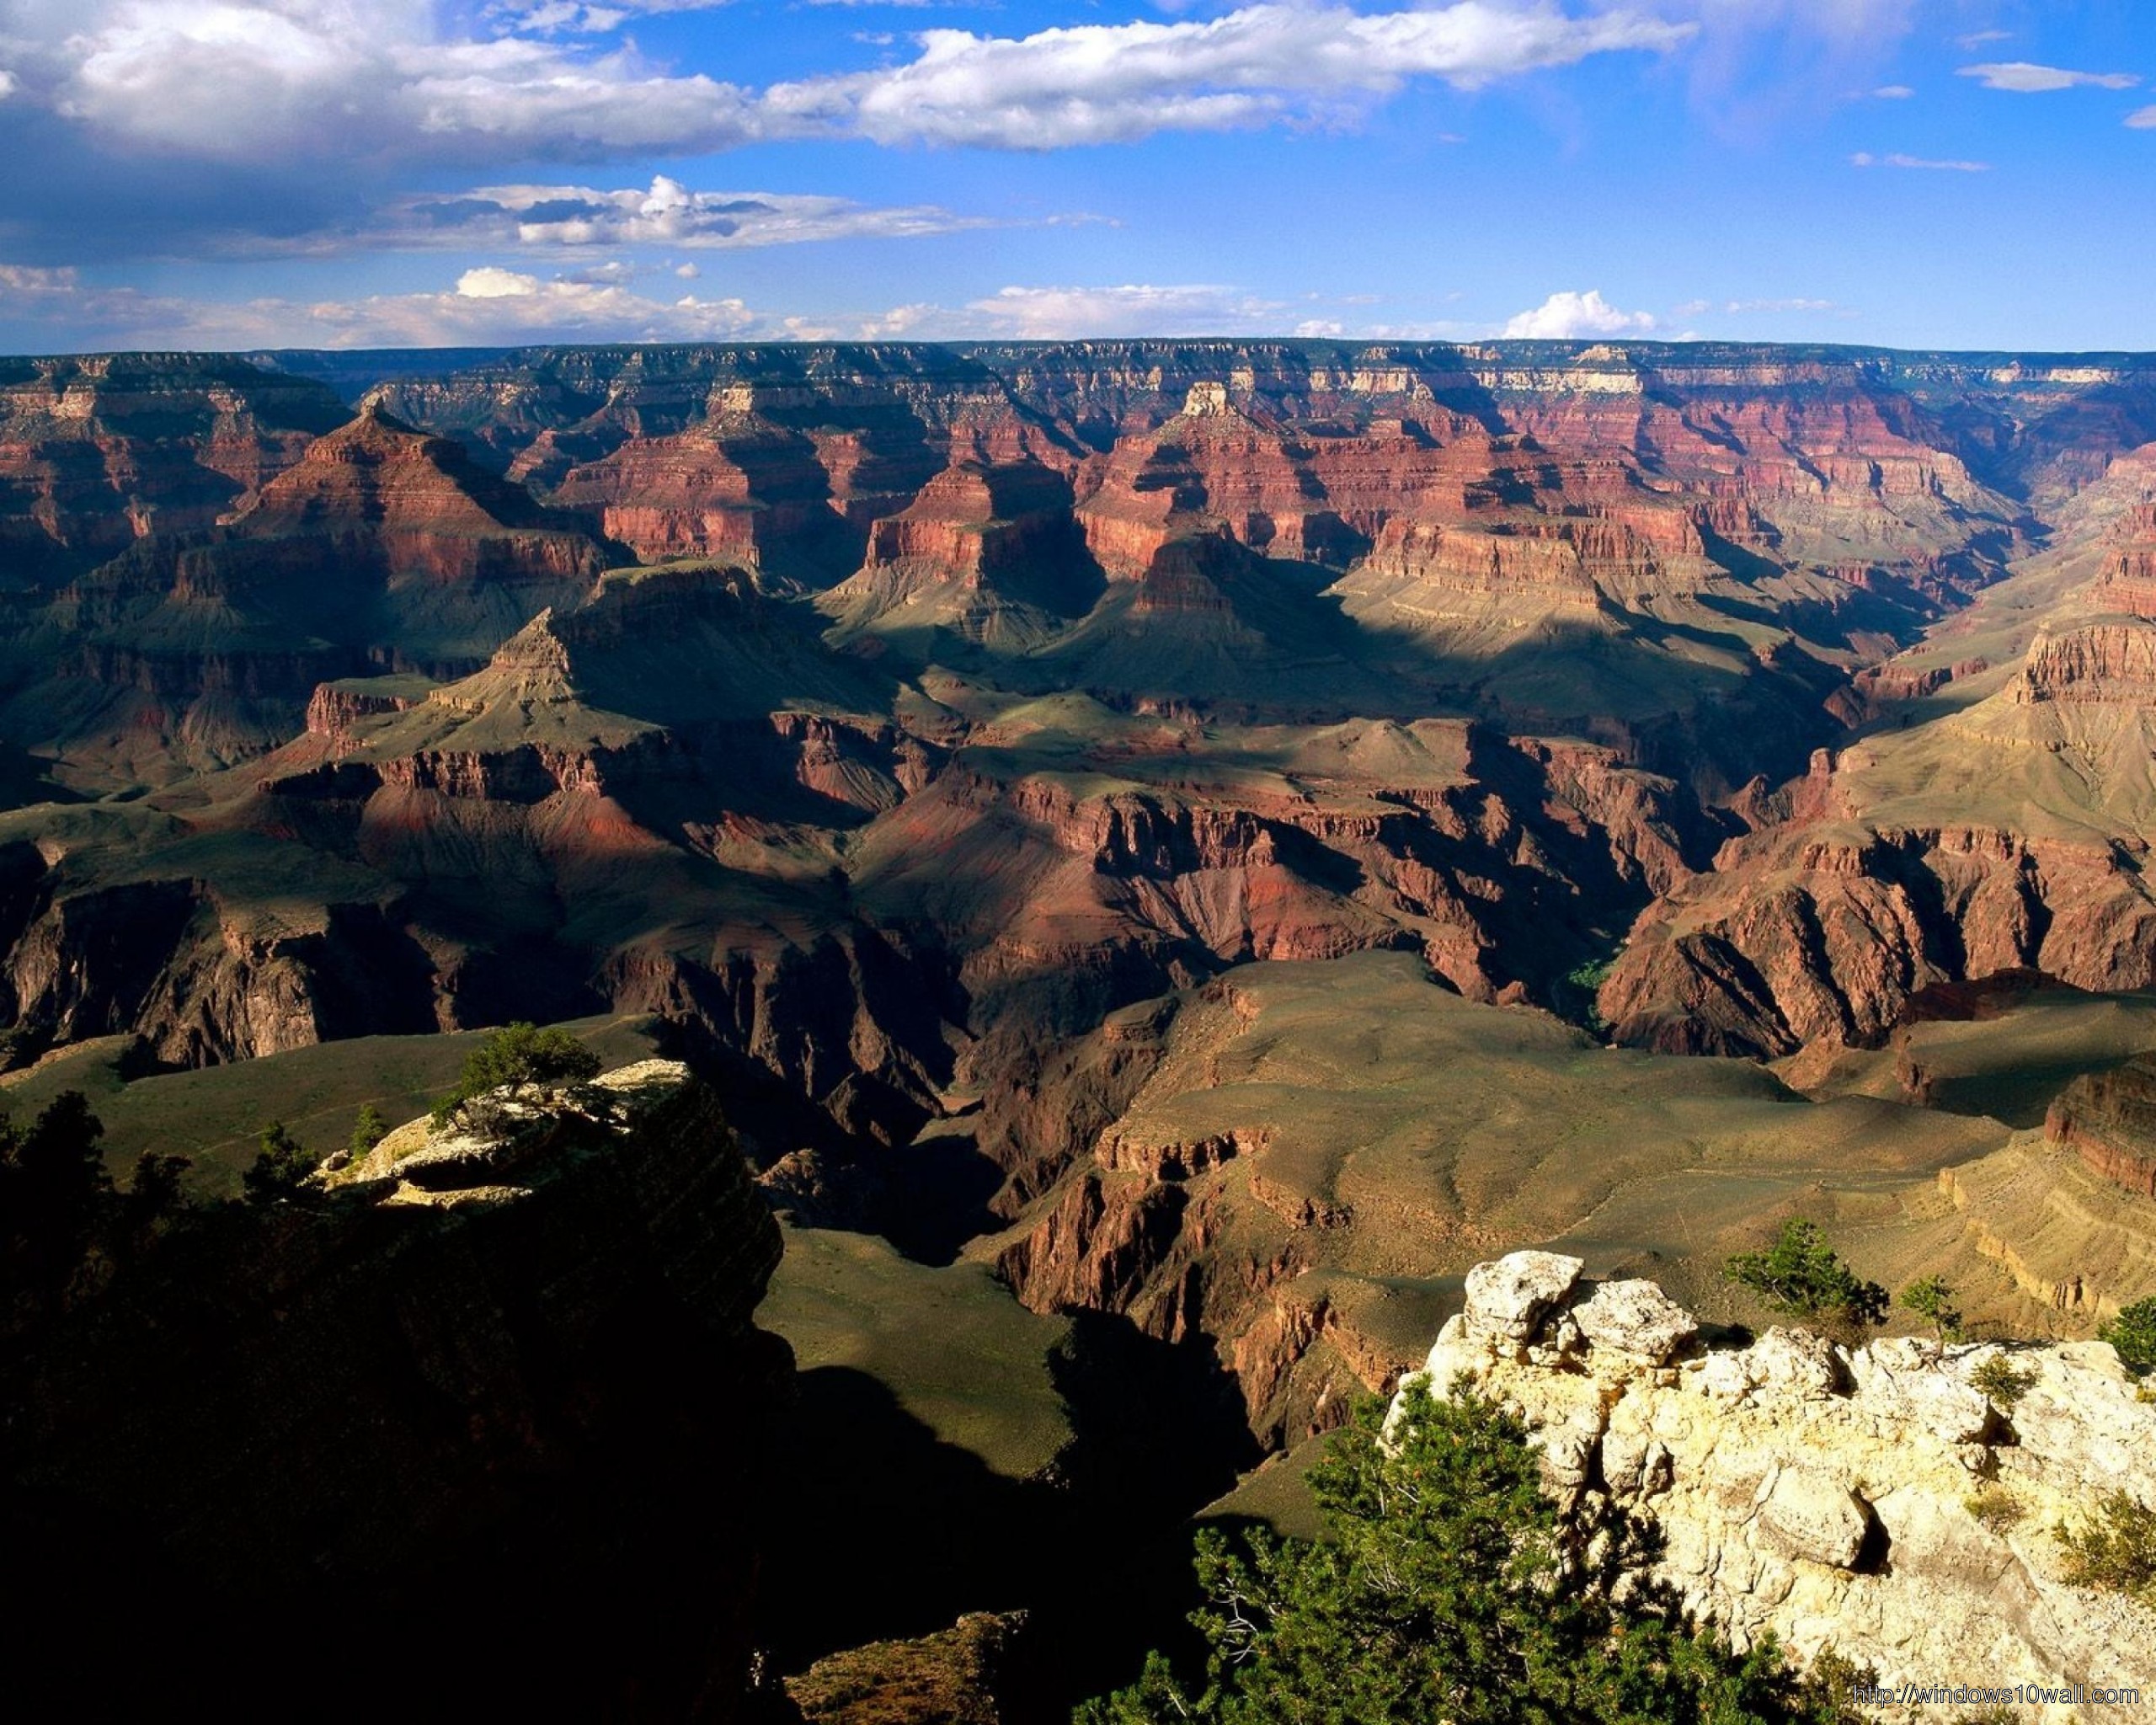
(280, 1167)
(2002, 1385)
(1801, 1276)
(2116, 1550)
(367, 1131)
(1831, 1685)
(1996, 1509)
(2132, 1333)
(520, 1055)
(1932, 1299)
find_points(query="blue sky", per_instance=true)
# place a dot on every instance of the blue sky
(330, 172)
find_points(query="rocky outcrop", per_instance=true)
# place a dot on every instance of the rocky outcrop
(1823, 935)
(958, 1676)
(1874, 1501)
(506, 1385)
(198, 982)
(2109, 1118)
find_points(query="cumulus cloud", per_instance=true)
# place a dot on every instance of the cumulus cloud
(2025, 78)
(1893, 92)
(360, 82)
(2143, 119)
(1564, 316)
(665, 213)
(1100, 84)
(1865, 158)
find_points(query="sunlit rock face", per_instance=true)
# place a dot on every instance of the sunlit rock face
(1872, 1500)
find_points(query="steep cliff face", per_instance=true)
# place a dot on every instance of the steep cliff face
(99, 450)
(1826, 937)
(2110, 1118)
(1873, 1500)
(1294, 1163)
(509, 1382)
(379, 548)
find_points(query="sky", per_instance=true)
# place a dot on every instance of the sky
(249, 173)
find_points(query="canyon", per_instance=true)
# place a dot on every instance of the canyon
(1209, 838)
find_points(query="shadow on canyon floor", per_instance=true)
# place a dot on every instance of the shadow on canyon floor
(884, 1532)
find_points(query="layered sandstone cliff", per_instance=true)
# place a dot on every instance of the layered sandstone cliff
(2110, 1118)
(98, 450)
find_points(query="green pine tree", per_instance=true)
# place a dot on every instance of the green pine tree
(2132, 1333)
(1445, 1590)
(280, 1167)
(1801, 1276)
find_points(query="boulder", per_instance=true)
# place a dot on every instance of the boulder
(1829, 1496)
(1904, 1378)
(1507, 1300)
(1636, 1318)
(1811, 1514)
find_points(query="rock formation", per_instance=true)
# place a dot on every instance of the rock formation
(99, 450)
(2109, 1119)
(1873, 1500)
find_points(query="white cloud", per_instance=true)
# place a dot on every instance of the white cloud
(1051, 313)
(365, 83)
(492, 284)
(1565, 315)
(1893, 92)
(1865, 158)
(358, 81)
(666, 213)
(548, 16)
(2143, 119)
(1978, 39)
(2025, 78)
(1100, 84)
(20, 282)
(487, 306)
(1694, 308)
(7, 84)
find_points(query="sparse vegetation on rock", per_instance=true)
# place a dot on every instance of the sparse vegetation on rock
(2002, 1382)
(2115, 1548)
(517, 1055)
(1801, 1276)
(1447, 1588)
(1931, 1298)
(1996, 1509)
(367, 1131)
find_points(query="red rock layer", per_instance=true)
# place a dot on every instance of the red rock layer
(99, 450)
(2109, 1119)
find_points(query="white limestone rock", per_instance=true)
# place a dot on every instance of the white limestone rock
(1775, 1472)
(1809, 1513)
(1507, 1300)
(1634, 1317)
